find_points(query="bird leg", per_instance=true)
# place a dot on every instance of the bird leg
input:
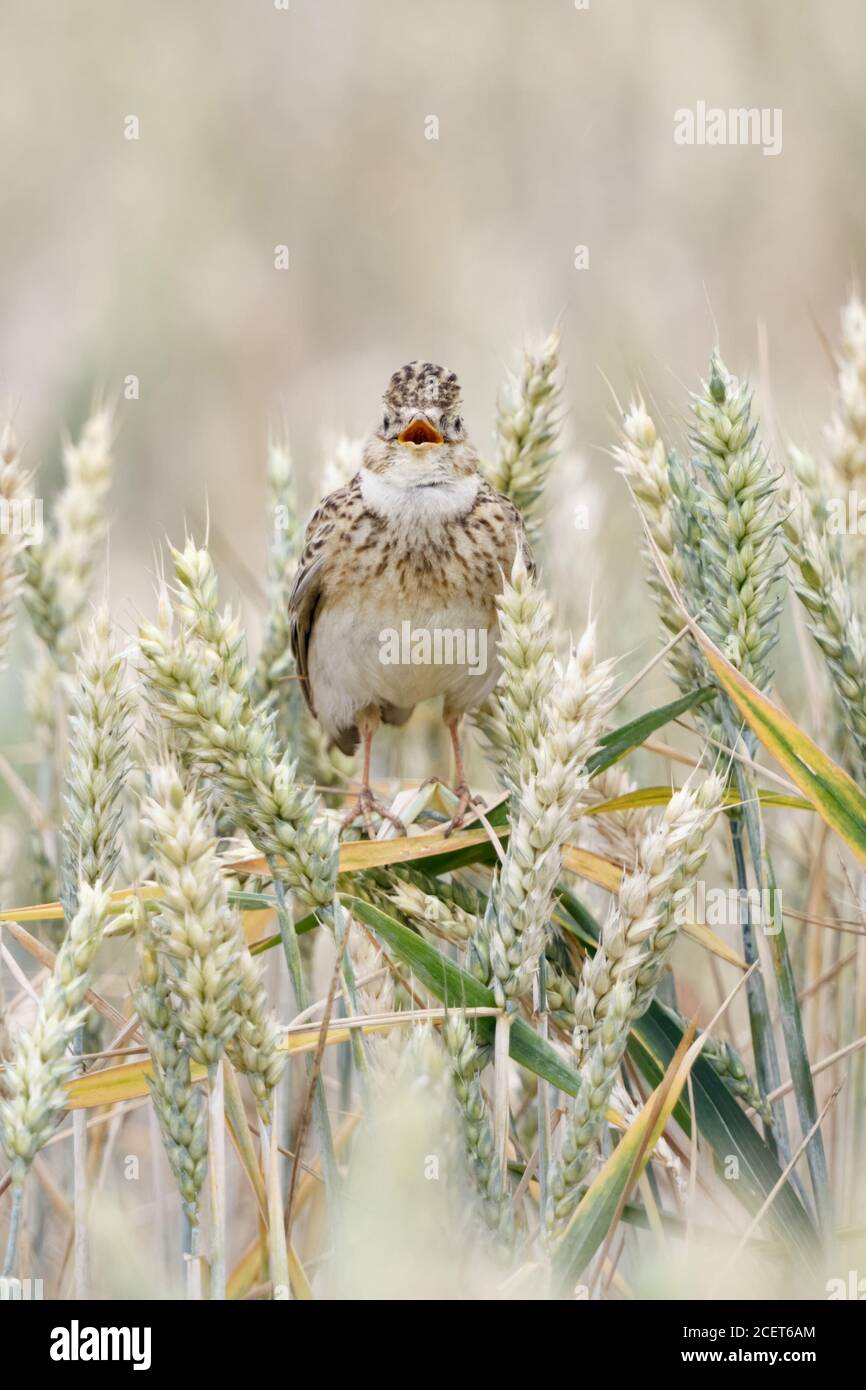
(366, 804)
(465, 799)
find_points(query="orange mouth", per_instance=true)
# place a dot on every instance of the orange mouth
(420, 432)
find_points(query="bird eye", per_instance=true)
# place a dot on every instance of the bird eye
(386, 422)
(458, 423)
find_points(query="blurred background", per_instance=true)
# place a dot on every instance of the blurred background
(307, 128)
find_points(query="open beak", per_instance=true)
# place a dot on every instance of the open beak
(420, 431)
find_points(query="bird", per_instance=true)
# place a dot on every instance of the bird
(413, 549)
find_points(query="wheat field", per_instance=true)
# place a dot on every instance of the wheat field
(606, 1042)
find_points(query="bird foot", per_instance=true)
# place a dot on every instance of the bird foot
(465, 802)
(366, 806)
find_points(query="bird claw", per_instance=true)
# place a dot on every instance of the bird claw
(465, 802)
(366, 806)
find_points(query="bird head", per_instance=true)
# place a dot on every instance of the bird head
(421, 431)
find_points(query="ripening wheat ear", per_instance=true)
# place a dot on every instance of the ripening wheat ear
(477, 1130)
(179, 1105)
(14, 496)
(253, 1047)
(664, 494)
(223, 1004)
(618, 983)
(831, 612)
(274, 683)
(642, 925)
(740, 554)
(38, 1072)
(815, 480)
(271, 678)
(196, 929)
(527, 427)
(222, 1000)
(554, 716)
(198, 682)
(375, 993)
(846, 433)
(98, 763)
(438, 912)
(342, 461)
(513, 719)
(60, 570)
(728, 1065)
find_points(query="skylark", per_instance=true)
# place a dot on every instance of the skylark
(394, 598)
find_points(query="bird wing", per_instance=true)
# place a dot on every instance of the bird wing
(508, 522)
(311, 575)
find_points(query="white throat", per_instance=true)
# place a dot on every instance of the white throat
(413, 502)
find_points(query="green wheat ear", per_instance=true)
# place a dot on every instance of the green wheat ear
(736, 496)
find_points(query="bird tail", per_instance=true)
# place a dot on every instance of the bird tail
(347, 739)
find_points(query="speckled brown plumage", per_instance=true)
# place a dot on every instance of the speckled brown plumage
(417, 536)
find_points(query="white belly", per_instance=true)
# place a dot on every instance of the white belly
(356, 660)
